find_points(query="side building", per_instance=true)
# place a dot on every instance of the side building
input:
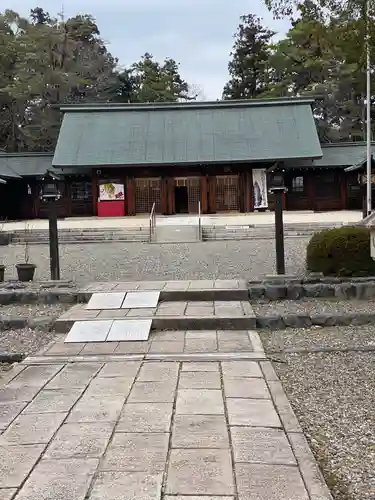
(115, 160)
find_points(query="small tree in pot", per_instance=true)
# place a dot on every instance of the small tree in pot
(26, 271)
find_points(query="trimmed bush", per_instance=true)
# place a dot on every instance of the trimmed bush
(344, 251)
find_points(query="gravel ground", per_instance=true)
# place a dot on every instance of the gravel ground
(34, 310)
(316, 336)
(25, 341)
(142, 261)
(313, 306)
(333, 397)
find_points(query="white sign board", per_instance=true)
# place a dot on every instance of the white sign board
(372, 243)
(260, 188)
(109, 191)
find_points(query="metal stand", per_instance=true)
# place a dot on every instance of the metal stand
(279, 229)
(53, 243)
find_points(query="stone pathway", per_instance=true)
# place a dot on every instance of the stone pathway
(194, 413)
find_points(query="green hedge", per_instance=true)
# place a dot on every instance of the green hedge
(343, 251)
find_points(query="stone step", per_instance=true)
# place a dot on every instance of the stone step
(176, 234)
(209, 315)
(174, 291)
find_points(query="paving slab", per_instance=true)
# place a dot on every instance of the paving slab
(59, 479)
(251, 388)
(204, 471)
(16, 462)
(97, 409)
(36, 376)
(109, 300)
(261, 445)
(252, 412)
(145, 417)
(129, 330)
(54, 401)
(32, 429)
(200, 380)
(80, 440)
(158, 372)
(89, 331)
(8, 493)
(108, 387)
(98, 348)
(269, 482)
(199, 401)
(120, 369)
(75, 375)
(200, 367)
(200, 431)
(126, 486)
(141, 300)
(166, 347)
(152, 392)
(241, 369)
(145, 452)
(9, 411)
(11, 394)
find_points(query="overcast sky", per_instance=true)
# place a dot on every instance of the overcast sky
(196, 33)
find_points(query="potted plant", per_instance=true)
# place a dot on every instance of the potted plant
(26, 271)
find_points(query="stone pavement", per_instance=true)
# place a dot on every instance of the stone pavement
(123, 427)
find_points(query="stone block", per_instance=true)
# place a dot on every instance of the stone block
(96, 348)
(297, 320)
(201, 334)
(196, 472)
(257, 292)
(145, 452)
(126, 486)
(269, 482)
(97, 409)
(86, 440)
(200, 380)
(267, 446)
(273, 322)
(62, 349)
(200, 431)
(241, 369)
(275, 292)
(252, 412)
(32, 428)
(235, 344)
(145, 417)
(75, 375)
(193, 310)
(141, 313)
(171, 308)
(319, 290)
(113, 314)
(151, 285)
(254, 388)
(201, 285)
(199, 401)
(8, 493)
(59, 479)
(295, 291)
(227, 284)
(165, 336)
(153, 392)
(57, 401)
(19, 394)
(16, 463)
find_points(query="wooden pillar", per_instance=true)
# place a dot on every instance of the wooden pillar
(130, 196)
(283, 200)
(170, 195)
(212, 194)
(68, 197)
(310, 191)
(35, 189)
(95, 194)
(164, 195)
(204, 193)
(250, 206)
(243, 191)
(343, 191)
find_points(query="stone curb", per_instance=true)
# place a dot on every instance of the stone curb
(42, 323)
(37, 297)
(295, 289)
(314, 482)
(279, 322)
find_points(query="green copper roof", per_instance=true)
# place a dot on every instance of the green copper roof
(343, 154)
(25, 164)
(187, 133)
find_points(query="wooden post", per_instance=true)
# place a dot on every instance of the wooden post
(204, 190)
(343, 191)
(212, 194)
(95, 194)
(130, 196)
(310, 190)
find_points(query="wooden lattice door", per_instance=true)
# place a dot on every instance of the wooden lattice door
(227, 193)
(193, 185)
(147, 192)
